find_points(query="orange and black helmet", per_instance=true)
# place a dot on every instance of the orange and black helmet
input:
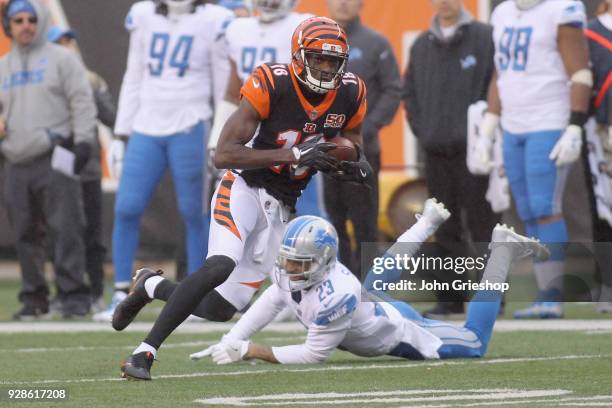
(316, 39)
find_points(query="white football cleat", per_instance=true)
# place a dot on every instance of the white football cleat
(524, 246)
(434, 212)
(107, 315)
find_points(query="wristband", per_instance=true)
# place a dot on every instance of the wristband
(578, 118)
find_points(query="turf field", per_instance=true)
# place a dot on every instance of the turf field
(567, 364)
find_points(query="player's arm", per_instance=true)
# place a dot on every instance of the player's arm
(237, 132)
(259, 315)
(320, 343)
(226, 107)
(232, 93)
(129, 96)
(574, 52)
(254, 107)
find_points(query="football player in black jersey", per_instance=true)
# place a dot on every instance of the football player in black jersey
(273, 144)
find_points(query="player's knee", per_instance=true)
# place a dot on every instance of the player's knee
(215, 308)
(216, 269)
(129, 205)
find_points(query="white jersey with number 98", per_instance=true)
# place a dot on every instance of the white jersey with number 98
(251, 43)
(533, 85)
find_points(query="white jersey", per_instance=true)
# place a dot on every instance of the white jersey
(251, 43)
(168, 83)
(533, 85)
(336, 315)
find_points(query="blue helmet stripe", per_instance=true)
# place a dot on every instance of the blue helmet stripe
(294, 231)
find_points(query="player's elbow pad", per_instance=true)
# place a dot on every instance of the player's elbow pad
(583, 77)
(222, 114)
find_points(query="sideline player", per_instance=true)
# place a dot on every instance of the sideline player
(540, 48)
(286, 109)
(164, 106)
(250, 42)
(326, 297)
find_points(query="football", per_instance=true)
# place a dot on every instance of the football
(344, 150)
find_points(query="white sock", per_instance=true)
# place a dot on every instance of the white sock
(549, 275)
(410, 241)
(498, 264)
(151, 284)
(418, 233)
(145, 347)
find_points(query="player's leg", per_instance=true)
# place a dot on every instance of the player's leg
(545, 185)
(186, 161)
(472, 340)
(143, 166)
(218, 305)
(434, 215)
(236, 212)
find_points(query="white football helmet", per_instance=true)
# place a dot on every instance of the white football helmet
(308, 251)
(179, 6)
(527, 4)
(271, 10)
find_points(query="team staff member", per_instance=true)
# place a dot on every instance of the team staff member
(46, 100)
(371, 58)
(450, 68)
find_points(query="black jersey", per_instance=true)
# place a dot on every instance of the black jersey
(288, 119)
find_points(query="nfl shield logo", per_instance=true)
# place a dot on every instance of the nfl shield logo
(313, 115)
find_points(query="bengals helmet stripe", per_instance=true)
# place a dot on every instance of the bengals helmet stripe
(319, 35)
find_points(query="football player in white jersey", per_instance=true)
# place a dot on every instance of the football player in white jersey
(541, 89)
(250, 42)
(164, 106)
(328, 299)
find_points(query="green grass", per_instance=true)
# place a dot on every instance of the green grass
(95, 357)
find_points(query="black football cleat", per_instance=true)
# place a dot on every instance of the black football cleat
(138, 366)
(128, 309)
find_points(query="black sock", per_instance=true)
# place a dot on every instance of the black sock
(164, 290)
(213, 307)
(187, 295)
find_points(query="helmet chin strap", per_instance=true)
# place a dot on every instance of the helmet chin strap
(307, 83)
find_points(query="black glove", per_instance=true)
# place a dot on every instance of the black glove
(82, 152)
(311, 153)
(354, 171)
